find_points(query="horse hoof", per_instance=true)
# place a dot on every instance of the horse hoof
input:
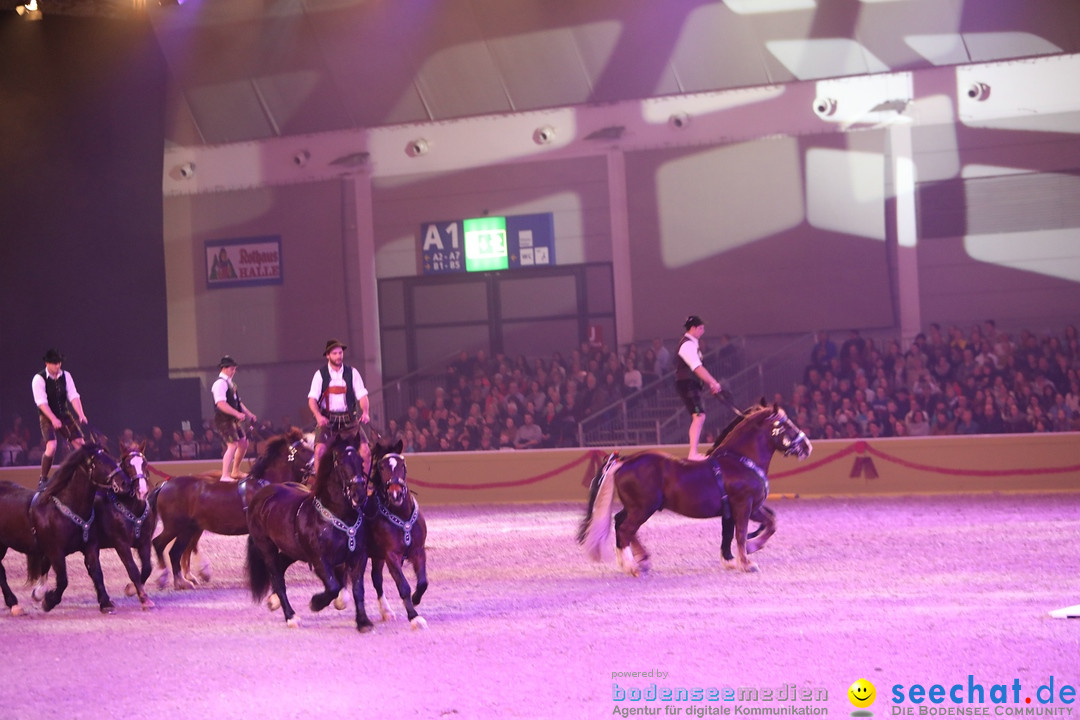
(163, 581)
(418, 623)
(273, 603)
(293, 622)
(108, 609)
(16, 610)
(148, 604)
(730, 564)
(204, 574)
(366, 627)
(339, 603)
(37, 594)
(129, 589)
(751, 568)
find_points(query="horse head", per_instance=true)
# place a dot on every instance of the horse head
(134, 466)
(343, 475)
(787, 437)
(768, 428)
(103, 470)
(389, 474)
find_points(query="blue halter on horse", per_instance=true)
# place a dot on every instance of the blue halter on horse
(732, 483)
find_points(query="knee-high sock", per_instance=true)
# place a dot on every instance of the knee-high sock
(227, 461)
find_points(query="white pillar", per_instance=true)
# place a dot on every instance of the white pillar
(620, 245)
(905, 230)
(361, 290)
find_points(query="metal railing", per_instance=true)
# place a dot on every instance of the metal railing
(655, 414)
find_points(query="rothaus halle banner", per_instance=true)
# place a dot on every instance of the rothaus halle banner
(243, 261)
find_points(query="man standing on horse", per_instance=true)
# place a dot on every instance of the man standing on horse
(690, 374)
(337, 392)
(56, 397)
(229, 413)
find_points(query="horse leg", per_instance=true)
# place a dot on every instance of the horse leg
(273, 602)
(727, 533)
(331, 586)
(385, 610)
(52, 597)
(419, 563)
(740, 515)
(363, 623)
(626, 542)
(339, 602)
(180, 580)
(394, 563)
(135, 587)
(42, 565)
(145, 561)
(10, 600)
(767, 518)
(92, 560)
(193, 550)
(160, 542)
(276, 564)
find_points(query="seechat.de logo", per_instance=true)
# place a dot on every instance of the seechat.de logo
(862, 694)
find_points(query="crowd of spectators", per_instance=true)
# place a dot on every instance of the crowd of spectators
(948, 382)
(499, 402)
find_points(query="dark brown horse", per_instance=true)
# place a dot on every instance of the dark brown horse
(397, 533)
(322, 527)
(192, 504)
(127, 522)
(16, 533)
(62, 516)
(731, 482)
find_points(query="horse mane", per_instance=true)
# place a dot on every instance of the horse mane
(749, 413)
(274, 446)
(326, 465)
(66, 471)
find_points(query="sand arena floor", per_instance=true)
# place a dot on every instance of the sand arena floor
(898, 591)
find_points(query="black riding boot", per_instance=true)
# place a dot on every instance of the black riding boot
(46, 463)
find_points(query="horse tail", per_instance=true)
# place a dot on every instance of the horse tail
(596, 526)
(37, 566)
(257, 572)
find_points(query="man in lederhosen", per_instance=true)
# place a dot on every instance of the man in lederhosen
(339, 402)
(56, 398)
(229, 416)
(690, 373)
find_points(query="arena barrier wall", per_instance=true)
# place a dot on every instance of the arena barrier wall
(888, 466)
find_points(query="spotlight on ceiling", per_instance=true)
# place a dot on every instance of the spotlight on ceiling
(29, 11)
(679, 120)
(301, 158)
(187, 170)
(544, 135)
(824, 107)
(979, 92)
(417, 147)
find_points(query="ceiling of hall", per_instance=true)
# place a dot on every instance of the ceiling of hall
(251, 69)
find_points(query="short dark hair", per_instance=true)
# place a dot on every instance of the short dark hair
(693, 321)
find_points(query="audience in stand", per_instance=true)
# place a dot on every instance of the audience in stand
(948, 382)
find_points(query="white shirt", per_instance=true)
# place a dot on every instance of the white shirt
(41, 397)
(336, 401)
(220, 388)
(690, 352)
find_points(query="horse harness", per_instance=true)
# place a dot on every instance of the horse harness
(136, 521)
(745, 462)
(405, 525)
(350, 530)
(71, 514)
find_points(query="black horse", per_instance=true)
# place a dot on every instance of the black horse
(731, 482)
(16, 533)
(127, 522)
(397, 533)
(190, 505)
(62, 516)
(322, 527)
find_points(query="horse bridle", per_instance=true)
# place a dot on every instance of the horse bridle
(402, 483)
(405, 526)
(782, 428)
(110, 481)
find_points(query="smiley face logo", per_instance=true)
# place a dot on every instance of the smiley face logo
(862, 693)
